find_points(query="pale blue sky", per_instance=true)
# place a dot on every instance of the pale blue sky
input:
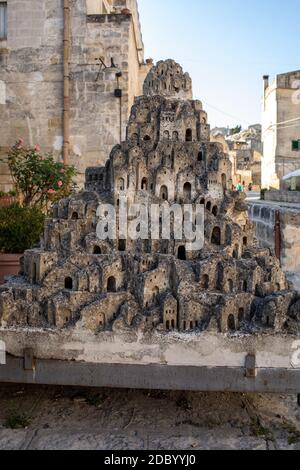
(226, 46)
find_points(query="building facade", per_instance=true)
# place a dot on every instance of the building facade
(106, 72)
(281, 128)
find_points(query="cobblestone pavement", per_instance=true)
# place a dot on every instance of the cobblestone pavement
(60, 418)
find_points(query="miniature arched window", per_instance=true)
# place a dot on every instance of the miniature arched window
(68, 283)
(231, 323)
(182, 253)
(175, 135)
(191, 325)
(245, 241)
(200, 156)
(121, 184)
(167, 325)
(205, 281)
(208, 206)
(173, 324)
(111, 284)
(216, 236)
(155, 294)
(34, 273)
(97, 250)
(187, 191)
(164, 193)
(147, 138)
(144, 185)
(122, 245)
(202, 201)
(224, 181)
(230, 285)
(166, 135)
(189, 135)
(75, 216)
(278, 288)
(215, 211)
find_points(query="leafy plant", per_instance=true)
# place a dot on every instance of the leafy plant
(20, 228)
(17, 421)
(40, 179)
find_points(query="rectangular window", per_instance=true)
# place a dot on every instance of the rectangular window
(3, 20)
(296, 145)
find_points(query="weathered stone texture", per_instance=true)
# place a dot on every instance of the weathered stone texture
(31, 79)
(78, 281)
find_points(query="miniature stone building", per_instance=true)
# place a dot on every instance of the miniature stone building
(76, 280)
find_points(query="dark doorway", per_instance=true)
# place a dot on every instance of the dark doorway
(69, 283)
(182, 253)
(187, 191)
(189, 135)
(231, 323)
(97, 250)
(216, 236)
(111, 284)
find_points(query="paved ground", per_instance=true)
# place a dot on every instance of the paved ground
(56, 418)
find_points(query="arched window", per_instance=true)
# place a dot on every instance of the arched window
(189, 135)
(245, 286)
(144, 185)
(187, 191)
(191, 325)
(208, 206)
(164, 193)
(205, 281)
(68, 283)
(111, 284)
(215, 211)
(175, 135)
(182, 253)
(166, 135)
(34, 273)
(173, 324)
(216, 236)
(245, 241)
(155, 294)
(147, 138)
(167, 325)
(224, 181)
(97, 250)
(230, 285)
(231, 323)
(121, 184)
(75, 216)
(200, 156)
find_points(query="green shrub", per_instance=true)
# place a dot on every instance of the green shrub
(20, 228)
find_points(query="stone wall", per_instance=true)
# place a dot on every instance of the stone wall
(31, 78)
(263, 216)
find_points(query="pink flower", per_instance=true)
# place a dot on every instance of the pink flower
(60, 183)
(37, 148)
(20, 144)
(51, 191)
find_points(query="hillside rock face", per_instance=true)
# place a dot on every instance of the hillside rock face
(154, 283)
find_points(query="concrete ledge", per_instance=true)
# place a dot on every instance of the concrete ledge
(162, 377)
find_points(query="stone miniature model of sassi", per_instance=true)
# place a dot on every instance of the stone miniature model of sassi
(230, 284)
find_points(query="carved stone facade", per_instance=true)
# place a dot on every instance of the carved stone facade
(75, 280)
